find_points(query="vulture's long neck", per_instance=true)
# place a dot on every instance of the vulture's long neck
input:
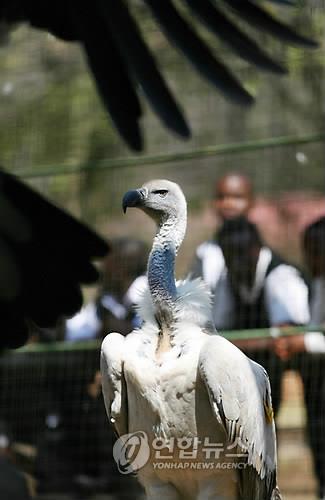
(161, 266)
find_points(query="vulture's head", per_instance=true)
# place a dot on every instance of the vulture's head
(160, 199)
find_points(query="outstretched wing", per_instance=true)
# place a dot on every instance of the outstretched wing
(240, 396)
(113, 382)
(45, 256)
(122, 63)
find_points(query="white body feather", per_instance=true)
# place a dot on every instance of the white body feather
(181, 395)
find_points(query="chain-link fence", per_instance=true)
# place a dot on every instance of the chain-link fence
(55, 135)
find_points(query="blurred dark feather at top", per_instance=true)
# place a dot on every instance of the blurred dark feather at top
(123, 66)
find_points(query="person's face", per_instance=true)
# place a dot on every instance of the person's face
(114, 273)
(233, 197)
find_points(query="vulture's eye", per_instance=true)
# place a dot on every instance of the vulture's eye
(161, 192)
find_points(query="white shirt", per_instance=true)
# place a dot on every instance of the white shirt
(86, 324)
(315, 341)
(285, 292)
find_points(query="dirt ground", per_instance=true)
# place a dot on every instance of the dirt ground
(296, 477)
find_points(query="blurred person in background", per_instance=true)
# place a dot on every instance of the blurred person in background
(87, 438)
(233, 309)
(306, 352)
(91, 443)
(123, 281)
(258, 290)
(314, 254)
(74, 441)
(13, 483)
(234, 197)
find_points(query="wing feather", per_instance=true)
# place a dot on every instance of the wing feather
(262, 20)
(240, 396)
(113, 382)
(45, 256)
(198, 53)
(227, 31)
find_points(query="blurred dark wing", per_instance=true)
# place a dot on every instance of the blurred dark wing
(45, 256)
(260, 19)
(122, 64)
(141, 63)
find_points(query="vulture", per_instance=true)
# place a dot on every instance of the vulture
(45, 256)
(175, 379)
(123, 66)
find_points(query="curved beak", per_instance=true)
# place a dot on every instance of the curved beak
(133, 198)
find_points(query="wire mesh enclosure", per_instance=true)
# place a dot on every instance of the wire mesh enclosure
(55, 135)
